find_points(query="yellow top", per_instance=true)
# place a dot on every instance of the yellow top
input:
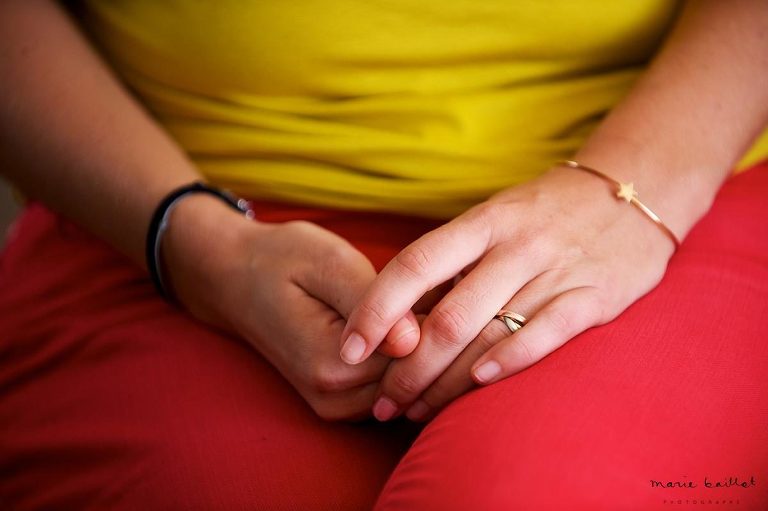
(418, 106)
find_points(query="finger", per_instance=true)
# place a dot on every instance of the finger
(321, 325)
(560, 320)
(402, 338)
(341, 279)
(429, 261)
(452, 324)
(457, 379)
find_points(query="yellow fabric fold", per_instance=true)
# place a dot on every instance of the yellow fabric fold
(422, 107)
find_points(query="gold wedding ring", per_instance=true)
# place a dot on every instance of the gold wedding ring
(513, 320)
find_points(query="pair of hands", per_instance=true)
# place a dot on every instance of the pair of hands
(557, 250)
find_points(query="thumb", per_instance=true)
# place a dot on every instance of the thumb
(340, 282)
(402, 338)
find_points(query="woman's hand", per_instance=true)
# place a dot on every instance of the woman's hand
(559, 250)
(287, 288)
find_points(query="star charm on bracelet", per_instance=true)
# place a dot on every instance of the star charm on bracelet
(626, 191)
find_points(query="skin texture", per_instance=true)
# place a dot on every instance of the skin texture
(289, 292)
(559, 250)
(562, 250)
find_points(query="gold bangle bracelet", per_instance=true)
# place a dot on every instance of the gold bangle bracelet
(627, 192)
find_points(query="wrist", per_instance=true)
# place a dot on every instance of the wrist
(626, 192)
(203, 246)
(600, 209)
(671, 185)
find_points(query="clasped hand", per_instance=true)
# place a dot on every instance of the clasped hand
(558, 250)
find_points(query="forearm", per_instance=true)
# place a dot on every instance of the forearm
(73, 137)
(693, 114)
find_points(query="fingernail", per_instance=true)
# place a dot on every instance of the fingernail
(487, 371)
(353, 349)
(418, 411)
(384, 409)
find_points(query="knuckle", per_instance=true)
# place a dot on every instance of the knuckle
(374, 310)
(413, 260)
(448, 324)
(486, 216)
(524, 352)
(338, 254)
(599, 303)
(483, 213)
(558, 321)
(541, 245)
(405, 386)
(572, 252)
(340, 260)
(324, 379)
(300, 227)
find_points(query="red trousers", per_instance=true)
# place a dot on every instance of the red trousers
(112, 399)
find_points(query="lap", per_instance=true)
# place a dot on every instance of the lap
(111, 398)
(672, 391)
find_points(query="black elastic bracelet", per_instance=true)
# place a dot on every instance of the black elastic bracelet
(159, 223)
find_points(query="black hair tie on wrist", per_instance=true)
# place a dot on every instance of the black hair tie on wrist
(159, 223)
